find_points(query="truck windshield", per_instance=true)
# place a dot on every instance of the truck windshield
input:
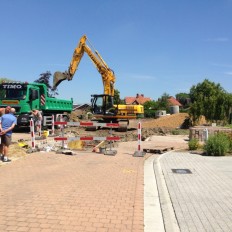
(13, 94)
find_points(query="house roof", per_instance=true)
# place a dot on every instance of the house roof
(139, 99)
(80, 106)
(173, 102)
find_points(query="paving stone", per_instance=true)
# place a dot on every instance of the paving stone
(85, 192)
(201, 200)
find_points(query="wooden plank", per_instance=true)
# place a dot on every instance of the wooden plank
(158, 150)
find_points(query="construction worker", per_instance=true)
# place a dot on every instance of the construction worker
(37, 118)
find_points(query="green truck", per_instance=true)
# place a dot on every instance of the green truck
(25, 97)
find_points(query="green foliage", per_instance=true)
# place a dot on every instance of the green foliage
(2, 91)
(218, 145)
(162, 103)
(211, 100)
(117, 99)
(45, 78)
(149, 109)
(175, 132)
(230, 141)
(149, 113)
(179, 132)
(193, 144)
(2, 79)
(184, 99)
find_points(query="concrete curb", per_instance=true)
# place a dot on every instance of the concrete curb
(168, 212)
(153, 220)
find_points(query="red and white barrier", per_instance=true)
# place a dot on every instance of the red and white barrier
(139, 153)
(139, 136)
(88, 138)
(40, 128)
(115, 125)
(32, 130)
(53, 125)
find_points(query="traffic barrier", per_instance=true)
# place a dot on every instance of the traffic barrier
(40, 128)
(63, 139)
(36, 146)
(89, 138)
(50, 121)
(139, 153)
(32, 130)
(114, 125)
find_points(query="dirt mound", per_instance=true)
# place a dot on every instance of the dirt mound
(169, 121)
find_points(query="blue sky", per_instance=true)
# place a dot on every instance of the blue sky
(153, 46)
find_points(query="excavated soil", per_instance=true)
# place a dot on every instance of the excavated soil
(161, 127)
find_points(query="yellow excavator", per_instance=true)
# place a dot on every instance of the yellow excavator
(103, 107)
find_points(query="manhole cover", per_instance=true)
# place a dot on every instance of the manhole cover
(181, 171)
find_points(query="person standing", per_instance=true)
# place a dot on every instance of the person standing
(7, 124)
(12, 110)
(37, 118)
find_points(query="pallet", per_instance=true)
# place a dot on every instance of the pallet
(158, 150)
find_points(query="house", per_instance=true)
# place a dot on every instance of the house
(173, 102)
(139, 99)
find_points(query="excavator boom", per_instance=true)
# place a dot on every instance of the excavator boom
(108, 77)
(58, 77)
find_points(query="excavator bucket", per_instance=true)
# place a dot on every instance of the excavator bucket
(58, 77)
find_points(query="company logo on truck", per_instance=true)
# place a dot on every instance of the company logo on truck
(16, 86)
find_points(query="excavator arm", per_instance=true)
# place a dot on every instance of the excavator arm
(103, 107)
(108, 77)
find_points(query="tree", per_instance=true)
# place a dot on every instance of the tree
(184, 99)
(45, 78)
(2, 91)
(117, 99)
(149, 109)
(211, 100)
(162, 102)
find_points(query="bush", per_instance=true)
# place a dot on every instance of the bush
(218, 145)
(193, 144)
(175, 132)
(230, 141)
(179, 132)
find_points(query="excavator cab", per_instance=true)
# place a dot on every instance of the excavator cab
(103, 104)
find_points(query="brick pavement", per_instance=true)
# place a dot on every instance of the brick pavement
(202, 200)
(86, 192)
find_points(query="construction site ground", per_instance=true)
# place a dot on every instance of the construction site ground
(90, 191)
(156, 133)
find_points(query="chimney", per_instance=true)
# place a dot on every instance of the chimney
(142, 95)
(137, 95)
